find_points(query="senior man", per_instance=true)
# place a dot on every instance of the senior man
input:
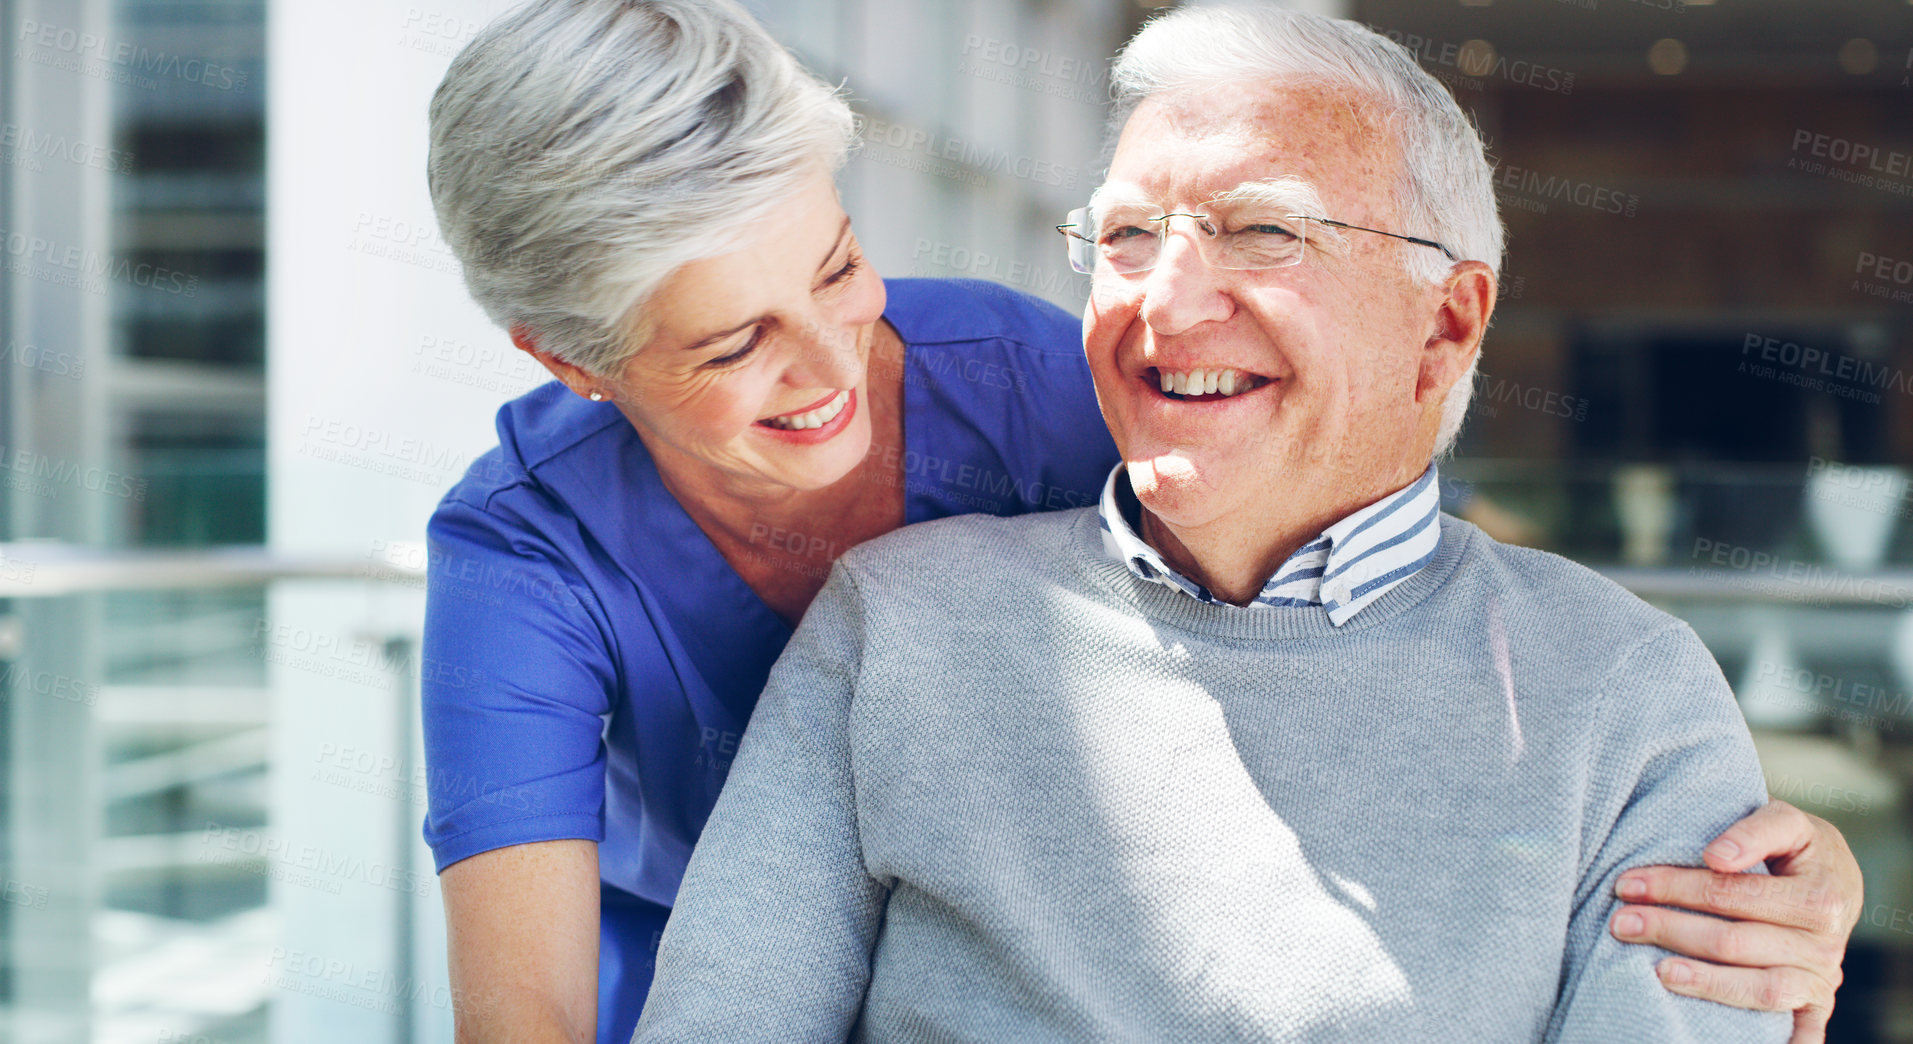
(1264, 747)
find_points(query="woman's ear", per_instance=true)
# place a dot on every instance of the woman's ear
(580, 382)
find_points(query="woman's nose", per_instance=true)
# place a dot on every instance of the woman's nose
(827, 354)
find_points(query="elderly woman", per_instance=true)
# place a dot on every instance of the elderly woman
(641, 193)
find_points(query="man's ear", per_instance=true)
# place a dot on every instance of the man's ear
(584, 384)
(1461, 320)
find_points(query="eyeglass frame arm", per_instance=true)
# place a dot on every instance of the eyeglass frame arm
(1069, 230)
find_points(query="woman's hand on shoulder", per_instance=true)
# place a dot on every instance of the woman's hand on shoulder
(1785, 935)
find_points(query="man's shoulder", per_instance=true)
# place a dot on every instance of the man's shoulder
(964, 551)
(1545, 594)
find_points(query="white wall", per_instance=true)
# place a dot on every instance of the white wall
(383, 378)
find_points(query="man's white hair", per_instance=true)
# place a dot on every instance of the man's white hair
(583, 150)
(1446, 187)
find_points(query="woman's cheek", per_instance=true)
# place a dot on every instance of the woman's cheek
(739, 401)
(696, 402)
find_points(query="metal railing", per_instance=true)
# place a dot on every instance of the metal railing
(49, 569)
(94, 767)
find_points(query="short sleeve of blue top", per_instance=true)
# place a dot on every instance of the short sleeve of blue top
(590, 659)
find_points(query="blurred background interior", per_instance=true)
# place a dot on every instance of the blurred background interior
(237, 369)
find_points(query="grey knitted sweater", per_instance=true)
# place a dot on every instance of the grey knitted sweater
(1000, 790)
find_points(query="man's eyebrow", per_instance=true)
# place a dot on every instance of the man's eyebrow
(1287, 191)
(1117, 193)
(702, 342)
(1293, 193)
(1289, 194)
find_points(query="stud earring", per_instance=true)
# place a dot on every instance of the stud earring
(597, 396)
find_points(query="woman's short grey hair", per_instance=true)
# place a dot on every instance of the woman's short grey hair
(583, 150)
(1446, 188)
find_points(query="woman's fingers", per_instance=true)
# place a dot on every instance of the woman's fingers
(1810, 1024)
(1774, 830)
(1743, 943)
(1808, 996)
(1809, 901)
(1782, 947)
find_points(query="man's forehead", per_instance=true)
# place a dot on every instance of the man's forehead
(1202, 142)
(1243, 110)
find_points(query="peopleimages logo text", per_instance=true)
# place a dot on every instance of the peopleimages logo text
(968, 154)
(1811, 360)
(1853, 153)
(125, 55)
(87, 267)
(26, 141)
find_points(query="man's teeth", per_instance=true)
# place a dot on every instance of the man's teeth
(816, 418)
(1205, 382)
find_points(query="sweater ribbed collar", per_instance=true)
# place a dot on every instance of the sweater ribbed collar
(1171, 606)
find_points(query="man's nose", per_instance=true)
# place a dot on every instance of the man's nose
(1182, 291)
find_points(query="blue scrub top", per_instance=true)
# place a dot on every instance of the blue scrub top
(590, 659)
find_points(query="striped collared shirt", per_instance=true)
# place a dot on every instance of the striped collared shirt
(1351, 564)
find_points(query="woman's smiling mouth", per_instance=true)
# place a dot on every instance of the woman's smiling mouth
(813, 416)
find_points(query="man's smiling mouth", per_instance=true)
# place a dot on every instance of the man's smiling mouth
(1204, 385)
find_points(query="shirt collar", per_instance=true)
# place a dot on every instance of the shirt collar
(1345, 569)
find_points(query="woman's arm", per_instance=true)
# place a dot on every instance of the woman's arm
(522, 930)
(1786, 935)
(514, 684)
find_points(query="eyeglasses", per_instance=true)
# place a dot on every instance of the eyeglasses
(1123, 240)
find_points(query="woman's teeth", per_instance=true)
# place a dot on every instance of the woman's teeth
(1206, 382)
(816, 418)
